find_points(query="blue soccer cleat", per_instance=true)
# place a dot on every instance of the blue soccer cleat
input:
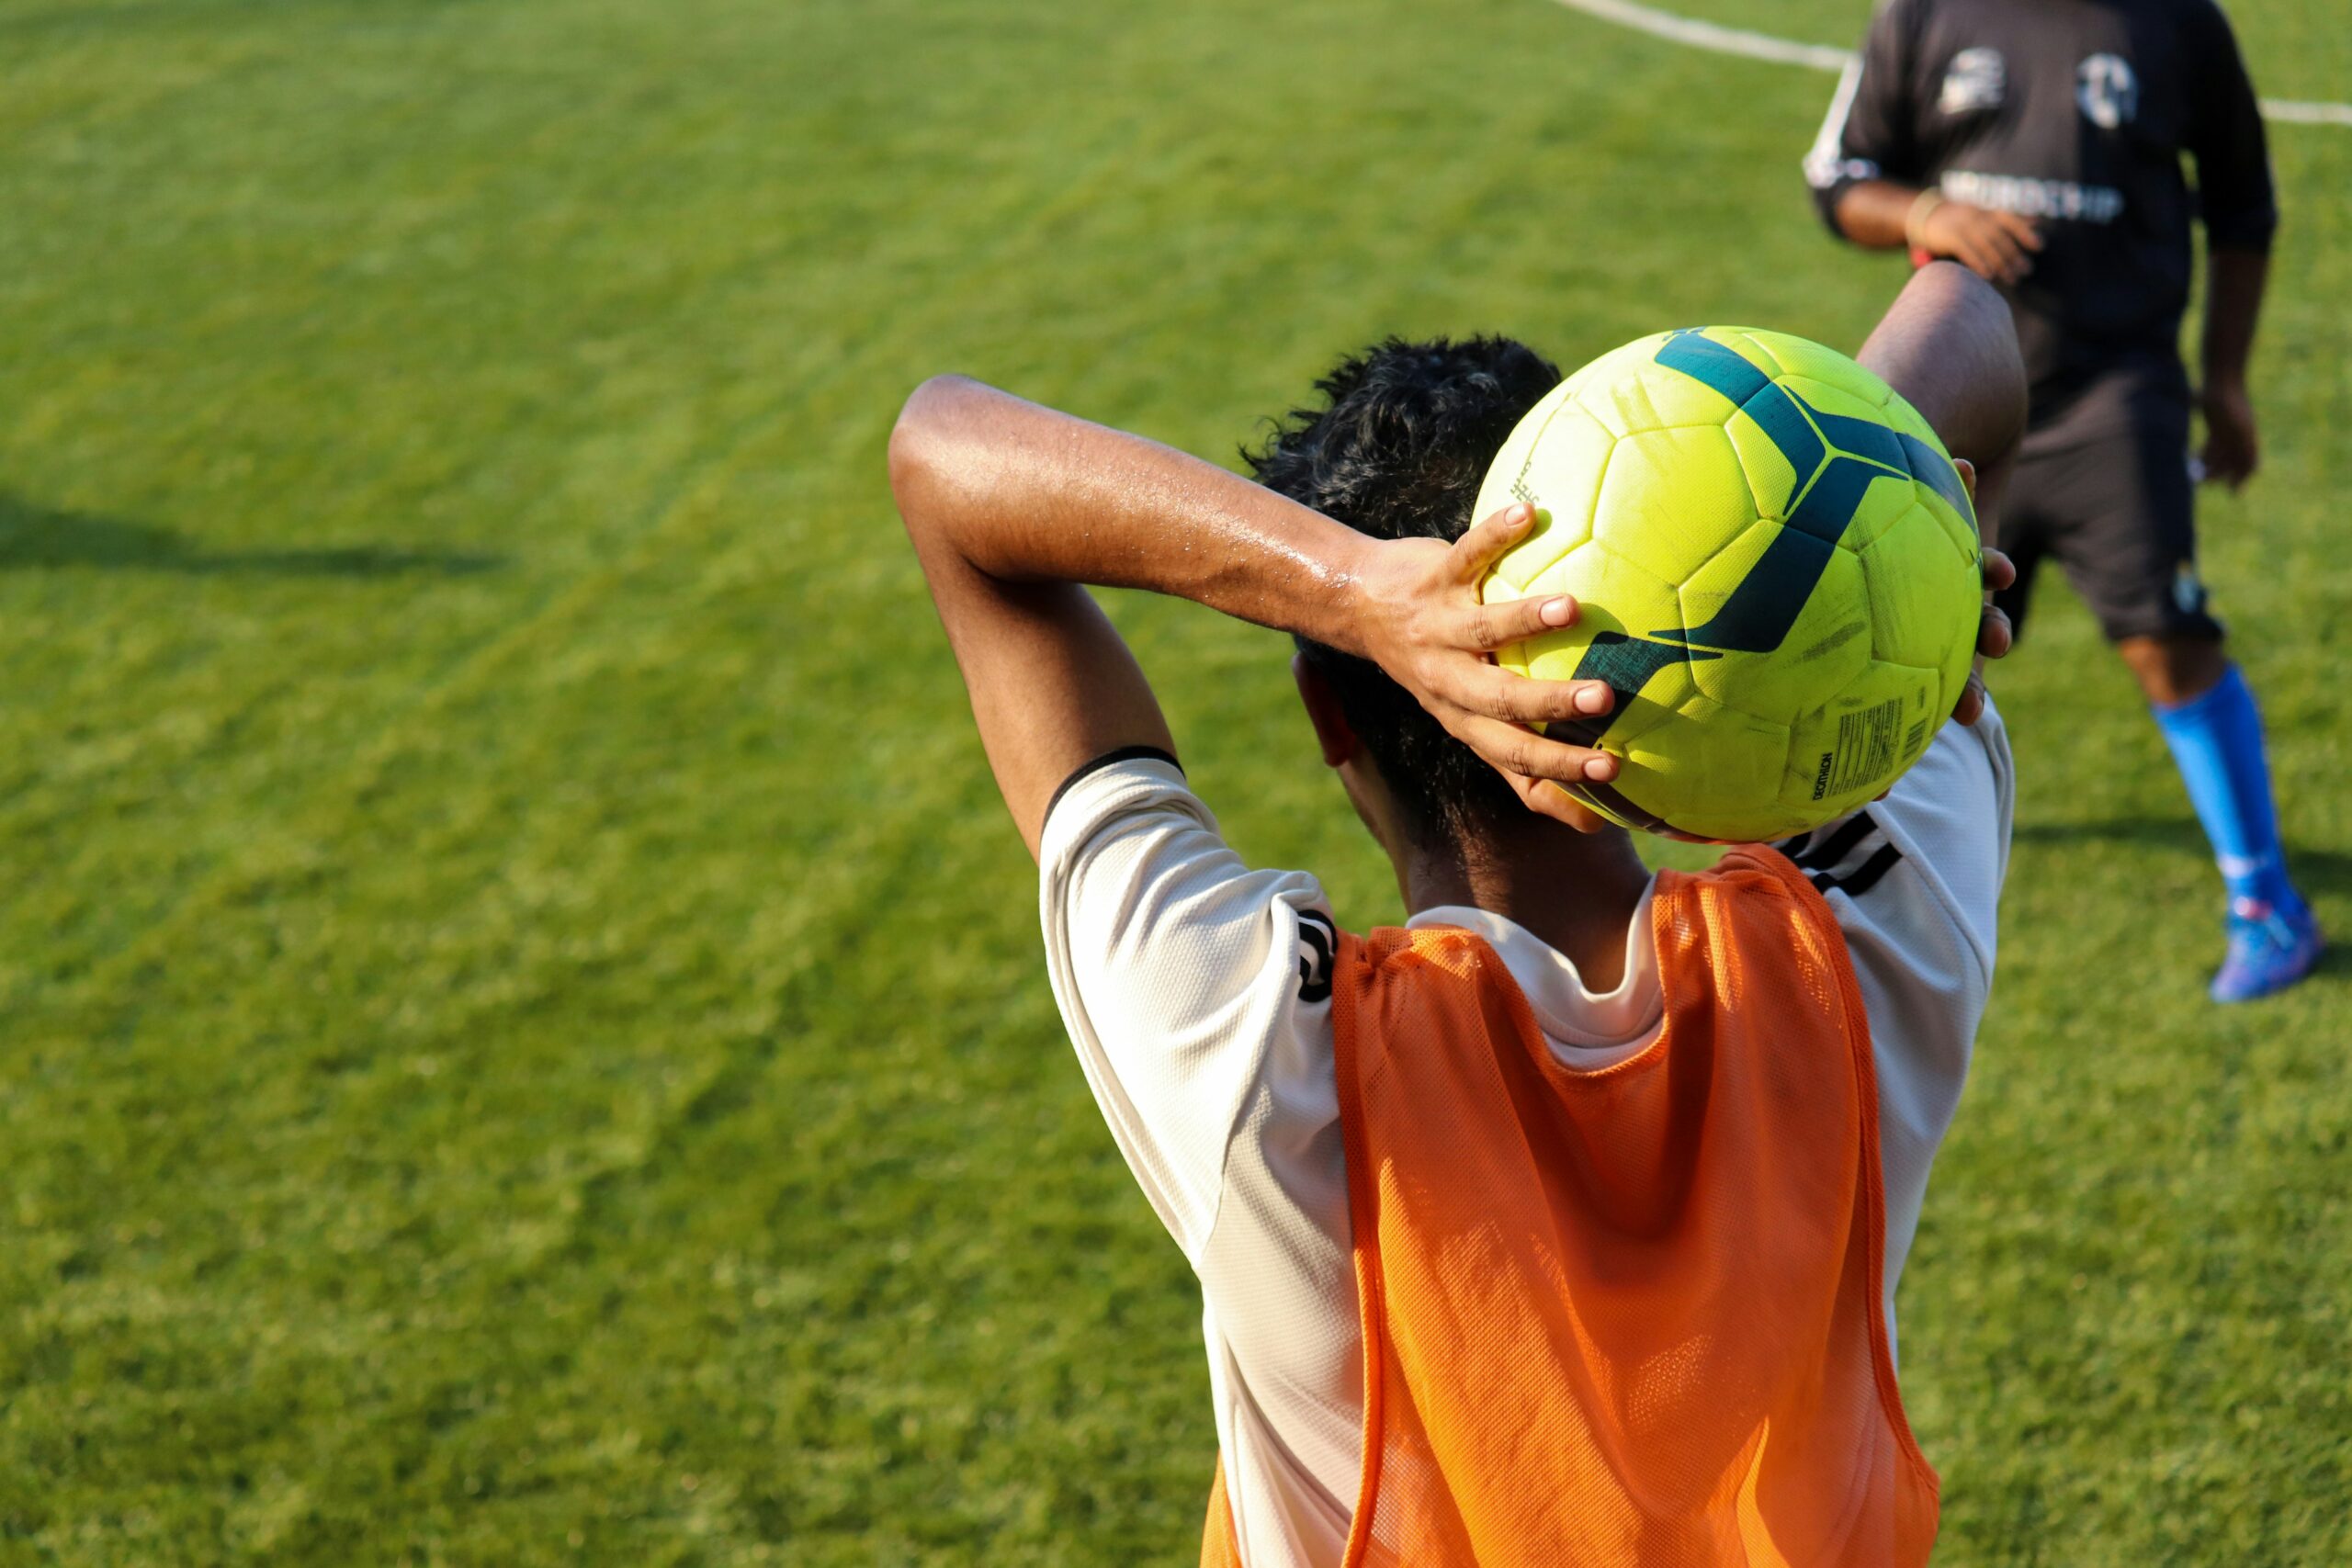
(2271, 947)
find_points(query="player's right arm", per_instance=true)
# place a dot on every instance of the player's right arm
(1015, 509)
(1869, 172)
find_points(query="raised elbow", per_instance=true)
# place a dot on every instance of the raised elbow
(921, 432)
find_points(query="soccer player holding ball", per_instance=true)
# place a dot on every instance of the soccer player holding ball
(1563, 1222)
(2040, 145)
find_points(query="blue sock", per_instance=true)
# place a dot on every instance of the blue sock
(2217, 742)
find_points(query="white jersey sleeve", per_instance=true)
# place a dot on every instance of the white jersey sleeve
(1177, 970)
(1915, 882)
(1197, 995)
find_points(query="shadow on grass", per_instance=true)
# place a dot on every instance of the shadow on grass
(33, 537)
(2324, 872)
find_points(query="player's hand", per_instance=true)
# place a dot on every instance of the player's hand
(1997, 246)
(1425, 626)
(1992, 636)
(1993, 632)
(2231, 451)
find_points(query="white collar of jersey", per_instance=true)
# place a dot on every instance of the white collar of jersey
(1579, 1023)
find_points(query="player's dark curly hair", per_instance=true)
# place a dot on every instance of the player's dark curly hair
(1399, 452)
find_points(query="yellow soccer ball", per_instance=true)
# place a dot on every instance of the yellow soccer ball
(1778, 569)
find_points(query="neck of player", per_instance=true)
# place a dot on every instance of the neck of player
(1576, 892)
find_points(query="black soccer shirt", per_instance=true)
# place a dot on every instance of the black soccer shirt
(2074, 113)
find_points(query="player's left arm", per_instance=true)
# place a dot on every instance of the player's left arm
(1013, 508)
(1950, 345)
(2240, 209)
(2234, 289)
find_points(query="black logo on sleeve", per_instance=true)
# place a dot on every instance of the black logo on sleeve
(1318, 942)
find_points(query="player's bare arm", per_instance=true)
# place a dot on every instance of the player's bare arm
(1948, 344)
(1012, 506)
(1888, 214)
(2234, 287)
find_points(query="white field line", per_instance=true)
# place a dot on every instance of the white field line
(1708, 35)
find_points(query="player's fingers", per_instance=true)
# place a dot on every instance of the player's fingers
(1970, 255)
(1986, 262)
(1994, 638)
(1489, 627)
(1967, 472)
(2008, 256)
(2024, 230)
(2221, 462)
(1487, 539)
(1516, 751)
(1970, 706)
(1999, 572)
(1515, 699)
(2003, 244)
(1548, 800)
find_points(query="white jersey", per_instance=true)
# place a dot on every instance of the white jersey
(1197, 993)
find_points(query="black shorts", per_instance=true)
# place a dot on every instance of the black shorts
(2104, 486)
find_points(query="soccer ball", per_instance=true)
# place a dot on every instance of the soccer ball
(1777, 567)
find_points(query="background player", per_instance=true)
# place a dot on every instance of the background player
(1218, 1011)
(2039, 141)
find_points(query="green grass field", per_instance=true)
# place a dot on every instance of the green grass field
(523, 1027)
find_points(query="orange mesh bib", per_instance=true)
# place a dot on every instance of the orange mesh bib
(1627, 1317)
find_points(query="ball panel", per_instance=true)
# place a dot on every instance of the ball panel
(1832, 399)
(1827, 645)
(1886, 501)
(1600, 375)
(1959, 664)
(1705, 591)
(1897, 411)
(1923, 595)
(1842, 754)
(1554, 577)
(1742, 341)
(1623, 360)
(1554, 459)
(1708, 771)
(1617, 602)
(1613, 594)
(1653, 397)
(1773, 480)
(1958, 526)
(1671, 498)
(1818, 364)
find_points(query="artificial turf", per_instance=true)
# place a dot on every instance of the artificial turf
(523, 1031)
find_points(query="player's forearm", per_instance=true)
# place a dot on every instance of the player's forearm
(2234, 287)
(1950, 345)
(1023, 494)
(1874, 213)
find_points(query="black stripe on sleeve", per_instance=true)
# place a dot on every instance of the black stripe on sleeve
(1108, 759)
(1864, 878)
(1320, 938)
(1839, 844)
